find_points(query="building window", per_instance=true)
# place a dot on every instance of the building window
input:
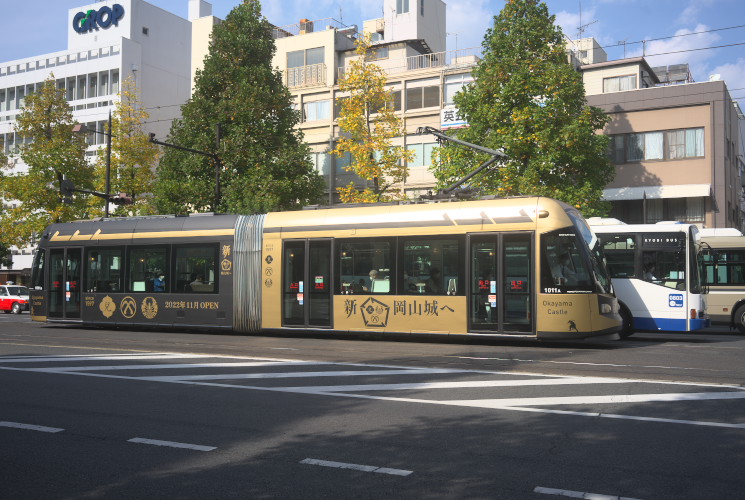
(422, 154)
(402, 6)
(646, 146)
(453, 85)
(658, 145)
(145, 31)
(422, 97)
(318, 110)
(615, 149)
(308, 57)
(619, 83)
(378, 53)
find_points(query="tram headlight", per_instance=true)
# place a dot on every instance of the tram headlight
(605, 309)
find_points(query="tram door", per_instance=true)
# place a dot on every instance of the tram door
(64, 282)
(501, 289)
(306, 283)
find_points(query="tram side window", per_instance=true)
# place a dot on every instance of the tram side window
(563, 266)
(103, 270)
(196, 268)
(432, 266)
(148, 270)
(37, 277)
(365, 266)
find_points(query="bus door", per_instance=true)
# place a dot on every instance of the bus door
(65, 282)
(306, 283)
(501, 290)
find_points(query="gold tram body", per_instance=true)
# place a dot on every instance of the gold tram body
(253, 293)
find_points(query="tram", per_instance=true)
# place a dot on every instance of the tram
(484, 267)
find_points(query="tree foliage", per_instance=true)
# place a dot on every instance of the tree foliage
(50, 150)
(133, 156)
(266, 164)
(369, 122)
(528, 101)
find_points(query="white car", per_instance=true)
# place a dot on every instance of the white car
(13, 298)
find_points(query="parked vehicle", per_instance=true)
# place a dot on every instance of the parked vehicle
(13, 298)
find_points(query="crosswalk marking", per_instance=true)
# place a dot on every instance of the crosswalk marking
(456, 385)
(170, 366)
(349, 373)
(88, 365)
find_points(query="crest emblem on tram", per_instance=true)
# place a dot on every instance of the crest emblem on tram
(107, 306)
(149, 307)
(128, 307)
(375, 313)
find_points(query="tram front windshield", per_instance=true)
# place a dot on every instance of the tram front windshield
(572, 260)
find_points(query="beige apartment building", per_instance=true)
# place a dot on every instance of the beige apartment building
(675, 142)
(409, 44)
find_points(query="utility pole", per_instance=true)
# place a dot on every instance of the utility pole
(80, 128)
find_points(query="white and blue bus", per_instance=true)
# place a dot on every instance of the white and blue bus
(656, 274)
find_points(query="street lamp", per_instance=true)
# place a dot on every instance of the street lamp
(82, 129)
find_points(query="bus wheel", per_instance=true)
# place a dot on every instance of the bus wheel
(16, 308)
(739, 319)
(628, 323)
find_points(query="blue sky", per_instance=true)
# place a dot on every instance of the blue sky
(677, 31)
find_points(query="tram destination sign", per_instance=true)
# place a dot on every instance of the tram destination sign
(92, 19)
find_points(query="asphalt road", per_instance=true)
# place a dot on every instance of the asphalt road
(121, 414)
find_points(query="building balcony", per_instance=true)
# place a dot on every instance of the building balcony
(454, 59)
(306, 76)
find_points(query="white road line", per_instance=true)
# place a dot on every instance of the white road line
(363, 468)
(167, 366)
(578, 494)
(457, 385)
(584, 400)
(172, 444)
(629, 417)
(61, 359)
(348, 373)
(30, 427)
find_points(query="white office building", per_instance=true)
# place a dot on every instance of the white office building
(107, 42)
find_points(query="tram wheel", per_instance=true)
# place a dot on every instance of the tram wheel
(628, 323)
(739, 319)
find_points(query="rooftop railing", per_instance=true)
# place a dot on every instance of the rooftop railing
(454, 59)
(307, 26)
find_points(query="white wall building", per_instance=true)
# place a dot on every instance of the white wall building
(107, 42)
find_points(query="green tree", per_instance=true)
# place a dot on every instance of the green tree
(528, 101)
(369, 122)
(266, 164)
(133, 156)
(50, 150)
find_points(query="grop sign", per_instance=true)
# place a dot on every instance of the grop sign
(83, 22)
